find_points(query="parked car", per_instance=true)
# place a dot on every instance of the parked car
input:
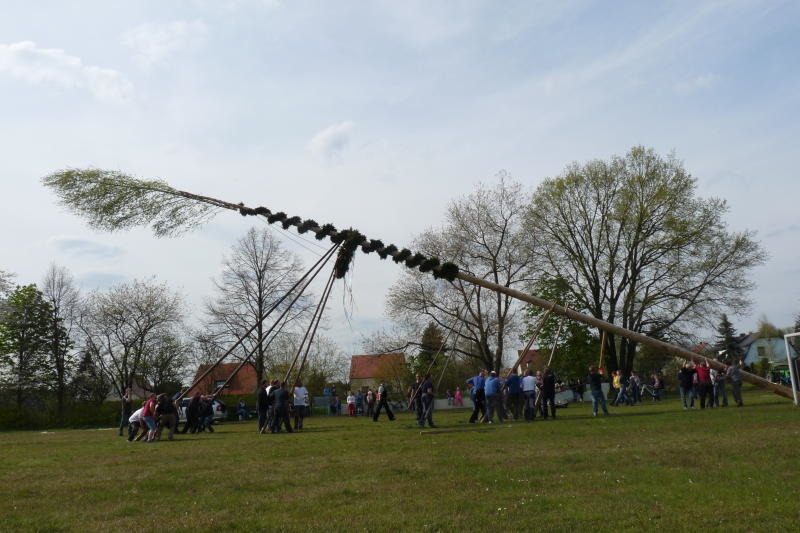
(219, 410)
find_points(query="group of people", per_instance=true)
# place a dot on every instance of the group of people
(517, 396)
(159, 412)
(630, 389)
(709, 384)
(276, 406)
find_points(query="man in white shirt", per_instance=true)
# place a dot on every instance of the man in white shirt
(299, 404)
(529, 394)
(136, 422)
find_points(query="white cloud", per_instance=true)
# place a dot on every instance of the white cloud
(154, 42)
(699, 83)
(329, 142)
(85, 247)
(25, 61)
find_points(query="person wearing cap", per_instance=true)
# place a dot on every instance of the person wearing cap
(478, 396)
(492, 392)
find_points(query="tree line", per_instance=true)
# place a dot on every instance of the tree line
(59, 345)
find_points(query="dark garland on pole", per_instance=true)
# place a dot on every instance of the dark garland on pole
(351, 239)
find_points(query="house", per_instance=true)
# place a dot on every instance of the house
(244, 382)
(533, 359)
(367, 370)
(771, 348)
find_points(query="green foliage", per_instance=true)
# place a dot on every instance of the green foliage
(767, 330)
(25, 328)
(89, 383)
(431, 344)
(726, 340)
(651, 360)
(762, 367)
(576, 346)
(113, 201)
(640, 248)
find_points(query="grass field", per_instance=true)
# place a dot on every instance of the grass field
(644, 467)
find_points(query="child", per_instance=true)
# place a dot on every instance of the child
(351, 404)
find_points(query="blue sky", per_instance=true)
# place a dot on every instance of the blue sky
(363, 112)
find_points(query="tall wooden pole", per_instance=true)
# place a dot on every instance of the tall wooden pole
(677, 351)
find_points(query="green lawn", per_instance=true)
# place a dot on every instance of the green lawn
(644, 467)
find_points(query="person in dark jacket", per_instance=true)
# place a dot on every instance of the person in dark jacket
(280, 406)
(549, 392)
(206, 416)
(127, 411)
(514, 387)
(686, 385)
(192, 414)
(166, 415)
(426, 399)
(262, 405)
(383, 403)
(595, 381)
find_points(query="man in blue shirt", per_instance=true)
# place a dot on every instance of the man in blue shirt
(492, 391)
(478, 396)
(514, 388)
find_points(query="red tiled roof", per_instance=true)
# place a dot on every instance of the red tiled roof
(244, 382)
(368, 366)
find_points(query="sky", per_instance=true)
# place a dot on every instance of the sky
(377, 114)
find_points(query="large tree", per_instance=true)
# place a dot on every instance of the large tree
(640, 249)
(124, 328)
(483, 235)
(24, 342)
(58, 289)
(256, 274)
(726, 340)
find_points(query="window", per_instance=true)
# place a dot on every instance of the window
(762, 352)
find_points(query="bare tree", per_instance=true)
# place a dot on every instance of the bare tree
(639, 249)
(124, 326)
(258, 272)
(58, 289)
(483, 235)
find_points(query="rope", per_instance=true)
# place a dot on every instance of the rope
(260, 340)
(310, 325)
(323, 303)
(318, 266)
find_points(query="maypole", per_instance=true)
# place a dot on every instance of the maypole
(113, 201)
